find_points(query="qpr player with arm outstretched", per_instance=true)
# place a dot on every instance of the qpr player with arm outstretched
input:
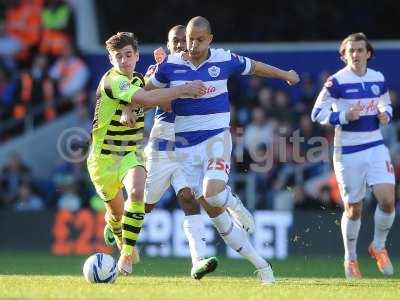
(202, 138)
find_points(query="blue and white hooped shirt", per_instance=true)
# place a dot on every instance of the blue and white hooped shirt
(345, 89)
(198, 119)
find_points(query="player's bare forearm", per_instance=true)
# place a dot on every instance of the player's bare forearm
(161, 97)
(156, 97)
(260, 69)
(264, 70)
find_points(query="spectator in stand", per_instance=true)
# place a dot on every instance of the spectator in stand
(11, 177)
(308, 90)
(23, 23)
(35, 90)
(71, 76)
(255, 84)
(43, 90)
(9, 48)
(57, 27)
(8, 90)
(67, 192)
(265, 98)
(282, 109)
(259, 131)
(28, 200)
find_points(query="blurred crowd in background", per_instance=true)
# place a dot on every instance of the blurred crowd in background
(41, 71)
(277, 163)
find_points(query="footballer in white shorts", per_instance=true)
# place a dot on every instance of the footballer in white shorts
(354, 171)
(207, 160)
(163, 170)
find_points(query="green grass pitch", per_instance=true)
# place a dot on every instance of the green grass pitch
(42, 276)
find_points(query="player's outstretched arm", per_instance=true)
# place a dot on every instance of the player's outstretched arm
(260, 69)
(164, 96)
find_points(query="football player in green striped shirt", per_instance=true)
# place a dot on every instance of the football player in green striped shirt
(115, 160)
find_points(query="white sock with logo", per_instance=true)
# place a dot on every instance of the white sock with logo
(236, 238)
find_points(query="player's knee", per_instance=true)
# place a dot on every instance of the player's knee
(188, 202)
(115, 215)
(136, 194)
(211, 211)
(387, 204)
(148, 208)
(213, 187)
(353, 212)
(115, 212)
(217, 199)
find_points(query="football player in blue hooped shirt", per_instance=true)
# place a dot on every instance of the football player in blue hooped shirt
(203, 142)
(355, 99)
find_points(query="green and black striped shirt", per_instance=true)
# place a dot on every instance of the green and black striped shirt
(109, 136)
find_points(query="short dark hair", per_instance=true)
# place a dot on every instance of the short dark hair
(176, 28)
(355, 37)
(200, 21)
(120, 40)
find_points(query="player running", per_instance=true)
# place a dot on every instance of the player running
(202, 138)
(356, 101)
(164, 170)
(115, 158)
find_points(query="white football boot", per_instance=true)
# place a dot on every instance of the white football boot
(266, 275)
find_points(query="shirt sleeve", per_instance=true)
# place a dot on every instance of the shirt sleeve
(322, 110)
(384, 102)
(240, 65)
(160, 77)
(123, 89)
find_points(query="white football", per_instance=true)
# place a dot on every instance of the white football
(100, 268)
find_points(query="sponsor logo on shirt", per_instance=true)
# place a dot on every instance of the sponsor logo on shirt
(180, 71)
(352, 91)
(369, 107)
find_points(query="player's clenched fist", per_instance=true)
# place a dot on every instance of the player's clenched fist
(292, 77)
(383, 118)
(128, 117)
(194, 88)
(353, 113)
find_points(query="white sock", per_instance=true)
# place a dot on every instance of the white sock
(237, 239)
(232, 199)
(350, 230)
(194, 229)
(383, 223)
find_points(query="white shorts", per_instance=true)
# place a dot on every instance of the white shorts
(210, 159)
(163, 170)
(355, 171)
